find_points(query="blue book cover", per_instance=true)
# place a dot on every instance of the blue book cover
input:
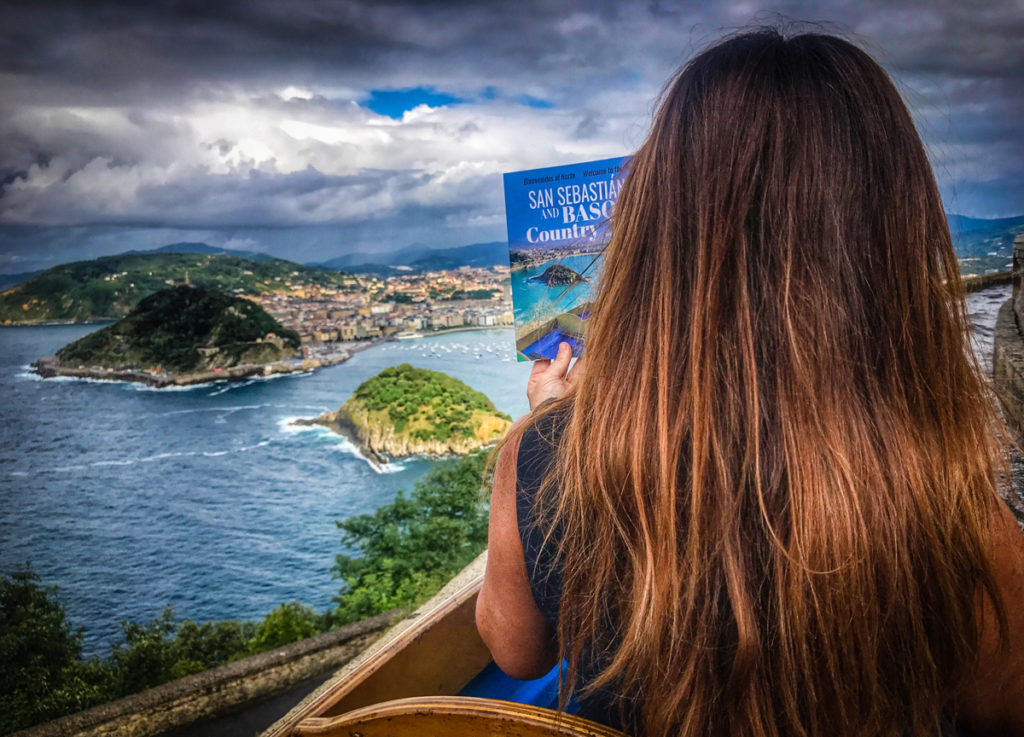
(557, 228)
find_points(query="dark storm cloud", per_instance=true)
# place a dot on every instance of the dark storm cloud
(170, 114)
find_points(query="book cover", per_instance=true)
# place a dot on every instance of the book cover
(557, 221)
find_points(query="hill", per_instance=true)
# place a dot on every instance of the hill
(405, 410)
(109, 287)
(984, 245)
(184, 329)
(420, 258)
(199, 247)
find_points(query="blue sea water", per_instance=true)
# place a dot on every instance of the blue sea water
(205, 498)
(534, 302)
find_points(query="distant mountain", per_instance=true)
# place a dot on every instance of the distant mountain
(9, 280)
(109, 287)
(420, 258)
(984, 245)
(206, 248)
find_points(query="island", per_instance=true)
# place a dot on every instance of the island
(405, 411)
(559, 275)
(181, 335)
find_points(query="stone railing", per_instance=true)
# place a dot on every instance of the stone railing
(221, 690)
(1008, 351)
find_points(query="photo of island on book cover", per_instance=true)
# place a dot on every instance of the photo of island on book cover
(557, 228)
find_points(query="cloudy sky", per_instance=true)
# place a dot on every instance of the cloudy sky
(312, 128)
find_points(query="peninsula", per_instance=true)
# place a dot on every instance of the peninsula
(181, 335)
(405, 411)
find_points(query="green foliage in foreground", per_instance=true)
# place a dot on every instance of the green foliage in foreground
(43, 675)
(413, 546)
(410, 549)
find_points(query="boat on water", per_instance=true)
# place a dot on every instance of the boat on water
(407, 335)
(432, 675)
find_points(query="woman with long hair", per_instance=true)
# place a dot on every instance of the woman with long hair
(764, 503)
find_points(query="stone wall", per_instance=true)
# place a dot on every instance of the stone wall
(220, 690)
(976, 282)
(1008, 351)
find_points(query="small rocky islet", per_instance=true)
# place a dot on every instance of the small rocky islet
(404, 411)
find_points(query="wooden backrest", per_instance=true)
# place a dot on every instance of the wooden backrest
(452, 716)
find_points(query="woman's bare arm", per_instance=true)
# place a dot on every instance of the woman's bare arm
(521, 641)
(994, 702)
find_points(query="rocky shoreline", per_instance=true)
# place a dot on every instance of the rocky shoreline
(50, 367)
(381, 445)
(341, 422)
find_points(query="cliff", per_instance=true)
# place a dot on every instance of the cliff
(185, 329)
(406, 411)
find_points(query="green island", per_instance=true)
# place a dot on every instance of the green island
(108, 288)
(179, 335)
(559, 275)
(392, 560)
(405, 410)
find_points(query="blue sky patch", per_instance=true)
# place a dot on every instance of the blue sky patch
(531, 101)
(394, 103)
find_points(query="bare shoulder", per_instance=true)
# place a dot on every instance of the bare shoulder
(994, 702)
(520, 639)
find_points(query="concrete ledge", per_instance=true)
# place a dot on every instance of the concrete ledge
(1008, 364)
(464, 577)
(220, 690)
(976, 282)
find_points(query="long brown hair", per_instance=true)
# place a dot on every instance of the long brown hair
(780, 437)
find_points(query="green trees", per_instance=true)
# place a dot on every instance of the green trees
(443, 404)
(43, 675)
(169, 327)
(38, 649)
(413, 546)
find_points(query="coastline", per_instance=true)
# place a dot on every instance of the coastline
(341, 423)
(523, 265)
(48, 368)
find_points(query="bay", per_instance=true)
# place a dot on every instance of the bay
(206, 498)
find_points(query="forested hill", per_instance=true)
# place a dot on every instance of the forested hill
(405, 410)
(109, 287)
(984, 245)
(185, 329)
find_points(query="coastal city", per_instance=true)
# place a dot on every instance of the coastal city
(333, 323)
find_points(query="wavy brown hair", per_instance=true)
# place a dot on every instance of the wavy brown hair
(779, 437)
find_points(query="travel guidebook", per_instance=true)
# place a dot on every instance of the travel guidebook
(557, 228)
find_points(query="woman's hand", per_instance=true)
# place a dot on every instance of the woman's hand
(551, 379)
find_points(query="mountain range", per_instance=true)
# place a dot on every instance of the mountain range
(982, 244)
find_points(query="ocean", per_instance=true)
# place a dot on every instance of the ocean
(206, 498)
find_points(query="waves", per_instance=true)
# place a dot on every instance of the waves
(337, 443)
